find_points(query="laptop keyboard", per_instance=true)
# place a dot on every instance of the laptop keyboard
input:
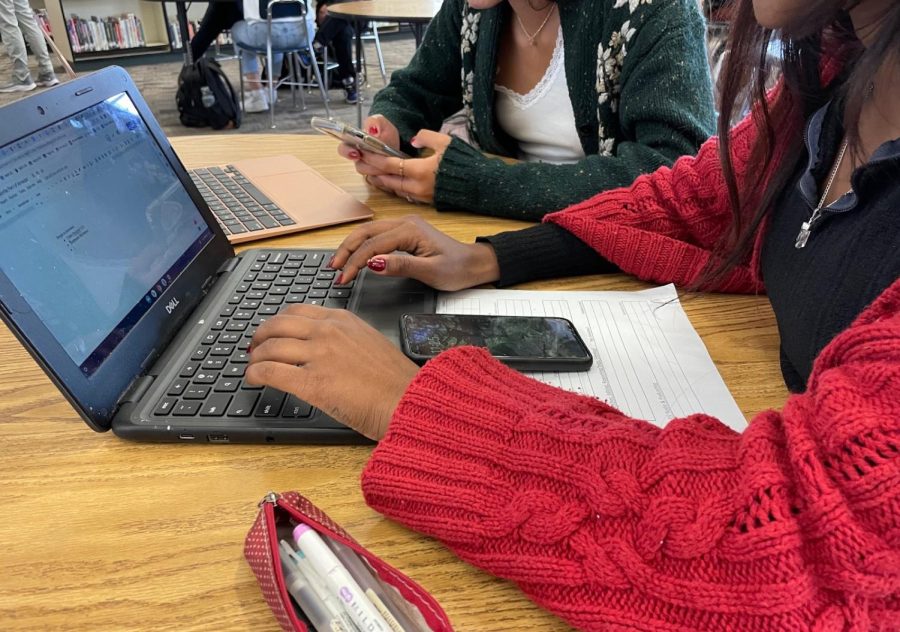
(211, 382)
(238, 205)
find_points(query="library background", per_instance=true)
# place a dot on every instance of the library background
(144, 37)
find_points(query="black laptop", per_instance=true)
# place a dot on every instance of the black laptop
(116, 277)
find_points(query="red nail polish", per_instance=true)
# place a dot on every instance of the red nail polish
(340, 279)
(249, 348)
(355, 155)
(413, 141)
(378, 265)
(373, 130)
(330, 263)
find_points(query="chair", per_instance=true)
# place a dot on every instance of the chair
(295, 61)
(372, 34)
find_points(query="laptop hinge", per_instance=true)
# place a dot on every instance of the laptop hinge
(228, 266)
(137, 390)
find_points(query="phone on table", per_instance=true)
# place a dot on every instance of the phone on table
(526, 343)
(355, 137)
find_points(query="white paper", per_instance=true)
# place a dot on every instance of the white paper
(649, 362)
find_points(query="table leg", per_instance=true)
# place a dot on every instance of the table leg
(418, 30)
(181, 11)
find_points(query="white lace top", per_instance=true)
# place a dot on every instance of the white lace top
(542, 121)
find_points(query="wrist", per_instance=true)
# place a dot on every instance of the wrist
(483, 264)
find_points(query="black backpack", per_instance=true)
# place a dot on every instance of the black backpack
(205, 97)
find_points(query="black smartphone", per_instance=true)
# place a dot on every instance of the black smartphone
(527, 343)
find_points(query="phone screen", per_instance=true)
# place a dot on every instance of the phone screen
(531, 337)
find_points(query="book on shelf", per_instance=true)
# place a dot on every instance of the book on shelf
(107, 33)
(224, 38)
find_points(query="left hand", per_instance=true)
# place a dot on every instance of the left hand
(333, 360)
(418, 174)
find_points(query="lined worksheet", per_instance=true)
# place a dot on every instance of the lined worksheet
(649, 362)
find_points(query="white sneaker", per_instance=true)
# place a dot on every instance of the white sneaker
(48, 81)
(255, 101)
(18, 86)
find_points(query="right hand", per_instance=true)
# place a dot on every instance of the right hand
(379, 127)
(433, 258)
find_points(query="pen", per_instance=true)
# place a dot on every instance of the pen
(306, 598)
(396, 617)
(339, 580)
(338, 620)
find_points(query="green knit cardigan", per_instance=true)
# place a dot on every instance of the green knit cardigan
(638, 80)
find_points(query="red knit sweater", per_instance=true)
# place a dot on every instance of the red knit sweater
(614, 524)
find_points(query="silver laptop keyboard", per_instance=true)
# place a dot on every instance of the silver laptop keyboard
(211, 382)
(239, 206)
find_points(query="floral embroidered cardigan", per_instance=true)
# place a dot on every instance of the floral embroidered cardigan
(638, 81)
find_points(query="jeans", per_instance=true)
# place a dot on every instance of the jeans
(287, 35)
(17, 20)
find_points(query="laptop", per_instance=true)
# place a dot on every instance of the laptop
(119, 281)
(273, 195)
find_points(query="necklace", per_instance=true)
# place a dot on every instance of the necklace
(807, 226)
(531, 37)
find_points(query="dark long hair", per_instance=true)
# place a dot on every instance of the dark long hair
(824, 28)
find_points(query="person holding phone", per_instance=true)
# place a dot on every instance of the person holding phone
(586, 94)
(608, 521)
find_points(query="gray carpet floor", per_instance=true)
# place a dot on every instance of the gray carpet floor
(157, 83)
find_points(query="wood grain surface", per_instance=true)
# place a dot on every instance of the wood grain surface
(102, 534)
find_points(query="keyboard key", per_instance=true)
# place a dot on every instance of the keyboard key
(317, 294)
(215, 406)
(240, 356)
(227, 385)
(165, 406)
(222, 350)
(228, 310)
(280, 290)
(206, 378)
(250, 304)
(266, 276)
(244, 314)
(234, 370)
(315, 301)
(214, 364)
(326, 275)
(295, 298)
(322, 285)
(219, 324)
(239, 325)
(196, 392)
(177, 387)
(262, 285)
(253, 225)
(270, 403)
(263, 256)
(238, 229)
(268, 222)
(209, 338)
(318, 258)
(189, 369)
(258, 195)
(295, 407)
(199, 353)
(274, 300)
(336, 303)
(296, 256)
(287, 221)
(272, 267)
(283, 282)
(269, 310)
(229, 338)
(309, 271)
(339, 293)
(186, 409)
(254, 295)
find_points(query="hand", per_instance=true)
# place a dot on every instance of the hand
(333, 360)
(437, 259)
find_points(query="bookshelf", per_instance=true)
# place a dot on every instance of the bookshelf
(107, 29)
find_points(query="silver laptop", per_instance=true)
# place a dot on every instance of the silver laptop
(117, 278)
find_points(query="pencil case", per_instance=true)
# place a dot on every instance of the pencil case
(409, 607)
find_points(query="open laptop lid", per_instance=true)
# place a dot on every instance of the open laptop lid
(105, 244)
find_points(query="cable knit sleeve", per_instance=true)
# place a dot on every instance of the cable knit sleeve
(613, 524)
(664, 226)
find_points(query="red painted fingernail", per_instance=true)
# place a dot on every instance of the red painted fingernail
(373, 130)
(414, 141)
(340, 279)
(355, 155)
(378, 265)
(330, 263)
(249, 348)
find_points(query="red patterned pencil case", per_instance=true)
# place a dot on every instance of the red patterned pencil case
(278, 515)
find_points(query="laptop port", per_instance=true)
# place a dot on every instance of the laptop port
(187, 437)
(217, 438)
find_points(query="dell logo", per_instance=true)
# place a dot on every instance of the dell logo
(171, 306)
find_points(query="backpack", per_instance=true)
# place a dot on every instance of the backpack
(205, 97)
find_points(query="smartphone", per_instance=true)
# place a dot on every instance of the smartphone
(527, 343)
(355, 137)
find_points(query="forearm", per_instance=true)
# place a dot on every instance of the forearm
(545, 251)
(700, 526)
(469, 180)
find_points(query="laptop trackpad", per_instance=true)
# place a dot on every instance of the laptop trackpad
(382, 300)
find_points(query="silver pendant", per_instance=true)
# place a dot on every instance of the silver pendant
(803, 235)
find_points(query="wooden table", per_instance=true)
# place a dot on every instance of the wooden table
(416, 13)
(101, 534)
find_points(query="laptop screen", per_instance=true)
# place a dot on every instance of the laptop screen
(94, 225)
